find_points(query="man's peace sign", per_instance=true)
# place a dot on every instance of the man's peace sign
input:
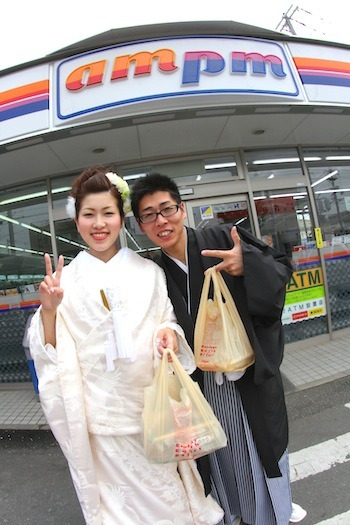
(232, 260)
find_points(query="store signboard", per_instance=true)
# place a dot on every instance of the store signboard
(206, 212)
(274, 206)
(231, 212)
(169, 69)
(305, 297)
(24, 102)
(230, 206)
(324, 72)
(170, 74)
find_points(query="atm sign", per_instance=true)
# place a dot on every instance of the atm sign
(305, 297)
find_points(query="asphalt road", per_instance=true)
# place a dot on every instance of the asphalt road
(35, 484)
(36, 489)
(319, 421)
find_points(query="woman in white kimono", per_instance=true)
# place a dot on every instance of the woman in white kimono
(96, 340)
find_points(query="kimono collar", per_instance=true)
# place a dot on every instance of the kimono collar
(85, 257)
(183, 266)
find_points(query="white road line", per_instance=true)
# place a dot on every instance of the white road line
(347, 405)
(340, 519)
(318, 458)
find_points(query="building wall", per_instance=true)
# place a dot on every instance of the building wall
(195, 106)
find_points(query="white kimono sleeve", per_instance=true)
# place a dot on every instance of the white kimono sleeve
(168, 320)
(61, 397)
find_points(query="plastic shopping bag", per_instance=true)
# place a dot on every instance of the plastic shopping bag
(221, 343)
(178, 422)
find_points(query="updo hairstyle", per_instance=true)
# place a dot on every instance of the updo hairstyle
(94, 180)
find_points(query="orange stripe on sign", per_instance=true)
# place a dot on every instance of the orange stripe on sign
(30, 303)
(337, 254)
(314, 258)
(307, 259)
(320, 64)
(36, 88)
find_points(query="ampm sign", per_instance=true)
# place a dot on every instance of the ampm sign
(165, 69)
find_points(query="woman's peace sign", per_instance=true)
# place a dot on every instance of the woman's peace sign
(51, 293)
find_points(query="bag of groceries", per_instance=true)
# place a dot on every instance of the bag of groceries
(221, 343)
(178, 422)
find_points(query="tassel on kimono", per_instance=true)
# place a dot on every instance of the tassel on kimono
(118, 343)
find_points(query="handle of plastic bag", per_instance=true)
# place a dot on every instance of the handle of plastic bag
(185, 379)
(221, 290)
(210, 275)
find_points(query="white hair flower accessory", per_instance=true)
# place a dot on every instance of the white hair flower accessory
(121, 185)
(70, 207)
(123, 188)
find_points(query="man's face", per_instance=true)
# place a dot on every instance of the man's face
(166, 232)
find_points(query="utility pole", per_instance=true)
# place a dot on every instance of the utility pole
(306, 23)
(286, 21)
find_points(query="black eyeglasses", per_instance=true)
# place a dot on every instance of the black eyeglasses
(165, 212)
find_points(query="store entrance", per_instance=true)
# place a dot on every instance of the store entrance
(203, 213)
(286, 224)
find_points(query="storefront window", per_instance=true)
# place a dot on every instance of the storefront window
(192, 171)
(24, 237)
(60, 187)
(68, 240)
(220, 210)
(274, 168)
(188, 174)
(286, 223)
(136, 240)
(330, 180)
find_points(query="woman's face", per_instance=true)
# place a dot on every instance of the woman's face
(99, 224)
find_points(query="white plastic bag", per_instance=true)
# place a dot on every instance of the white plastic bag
(221, 343)
(178, 422)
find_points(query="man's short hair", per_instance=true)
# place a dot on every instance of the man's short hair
(150, 184)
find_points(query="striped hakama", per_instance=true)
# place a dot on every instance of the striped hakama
(240, 483)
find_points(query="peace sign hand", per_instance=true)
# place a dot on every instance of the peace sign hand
(232, 261)
(51, 293)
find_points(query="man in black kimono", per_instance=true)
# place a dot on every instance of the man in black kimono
(251, 475)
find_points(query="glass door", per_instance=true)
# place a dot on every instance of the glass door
(329, 170)
(210, 211)
(286, 223)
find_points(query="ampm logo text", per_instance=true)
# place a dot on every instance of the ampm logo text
(195, 64)
(173, 68)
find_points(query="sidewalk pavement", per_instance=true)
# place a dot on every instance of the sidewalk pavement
(303, 368)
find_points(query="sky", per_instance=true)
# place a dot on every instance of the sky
(32, 29)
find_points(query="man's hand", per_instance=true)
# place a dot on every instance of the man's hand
(232, 260)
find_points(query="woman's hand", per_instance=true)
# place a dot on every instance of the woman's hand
(166, 338)
(51, 293)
